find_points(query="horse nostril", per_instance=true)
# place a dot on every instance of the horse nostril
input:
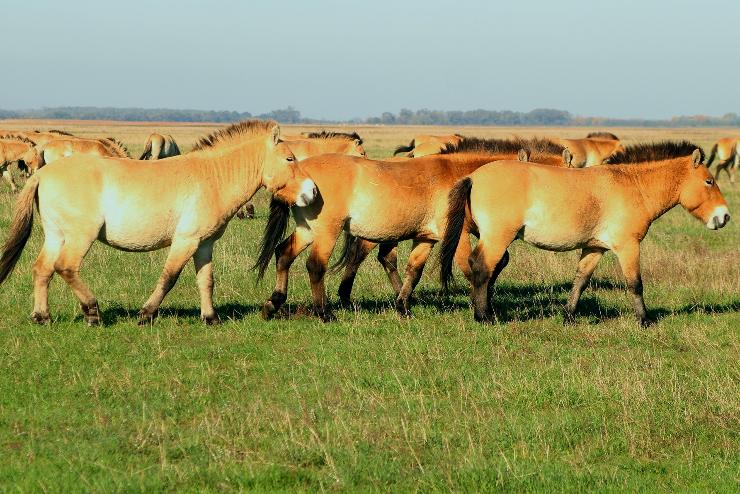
(727, 218)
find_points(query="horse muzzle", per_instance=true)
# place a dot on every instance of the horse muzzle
(307, 193)
(720, 217)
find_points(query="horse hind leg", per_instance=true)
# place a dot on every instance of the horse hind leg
(420, 251)
(589, 260)
(486, 260)
(181, 251)
(43, 270)
(67, 264)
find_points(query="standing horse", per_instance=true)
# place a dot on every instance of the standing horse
(19, 151)
(590, 151)
(382, 202)
(424, 145)
(158, 147)
(728, 152)
(185, 203)
(64, 147)
(314, 144)
(595, 210)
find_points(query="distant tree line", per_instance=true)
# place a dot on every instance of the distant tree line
(539, 116)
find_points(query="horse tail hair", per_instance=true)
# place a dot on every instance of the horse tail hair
(20, 228)
(350, 250)
(277, 225)
(405, 149)
(712, 154)
(147, 149)
(174, 148)
(458, 204)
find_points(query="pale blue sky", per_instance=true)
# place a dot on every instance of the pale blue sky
(344, 59)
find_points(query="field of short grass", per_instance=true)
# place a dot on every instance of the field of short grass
(374, 402)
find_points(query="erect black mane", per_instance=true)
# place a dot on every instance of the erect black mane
(536, 146)
(330, 134)
(602, 135)
(16, 137)
(654, 151)
(60, 132)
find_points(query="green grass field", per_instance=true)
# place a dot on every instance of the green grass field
(373, 402)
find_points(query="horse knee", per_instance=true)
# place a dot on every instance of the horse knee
(316, 268)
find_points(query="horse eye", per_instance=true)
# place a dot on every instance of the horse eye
(291, 158)
(709, 181)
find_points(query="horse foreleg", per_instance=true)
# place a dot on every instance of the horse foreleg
(203, 261)
(181, 251)
(285, 254)
(317, 262)
(72, 251)
(360, 251)
(589, 260)
(420, 251)
(388, 258)
(9, 178)
(629, 260)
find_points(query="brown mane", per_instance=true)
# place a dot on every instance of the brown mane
(116, 147)
(60, 132)
(602, 135)
(657, 151)
(19, 138)
(537, 147)
(235, 132)
(330, 134)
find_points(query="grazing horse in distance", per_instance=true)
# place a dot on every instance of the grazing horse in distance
(381, 202)
(19, 151)
(727, 150)
(596, 209)
(591, 151)
(159, 146)
(64, 147)
(424, 145)
(185, 203)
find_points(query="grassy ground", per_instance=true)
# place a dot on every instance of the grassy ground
(373, 402)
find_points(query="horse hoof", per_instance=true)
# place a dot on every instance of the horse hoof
(568, 318)
(93, 321)
(268, 310)
(40, 318)
(646, 322)
(346, 303)
(325, 315)
(145, 318)
(211, 320)
(403, 309)
(483, 319)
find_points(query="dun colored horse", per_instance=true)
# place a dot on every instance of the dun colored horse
(185, 202)
(61, 148)
(382, 202)
(424, 145)
(158, 147)
(19, 151)
(590, 151)
(728, 152)
(595, 210)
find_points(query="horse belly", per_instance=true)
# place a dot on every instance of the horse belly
(380, 226)
(128, 228)
(546, 230)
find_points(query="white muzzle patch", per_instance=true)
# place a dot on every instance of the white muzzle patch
(307, 193)
(720, 217)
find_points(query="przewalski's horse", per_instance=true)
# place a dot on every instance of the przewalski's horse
(184, 202)
(728, 152)
(591, 151)
(325, 142)
(158, 147)
(424, 145)
(64, 147)
(595, 210)
(19, 151)
(382, 202)
(314, 144)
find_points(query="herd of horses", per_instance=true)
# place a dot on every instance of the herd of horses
(592, 194)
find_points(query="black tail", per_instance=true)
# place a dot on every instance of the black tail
(20, 227)
(277, 224)
(348, 254)
(405, 149)
(458, 202)
(712, 154)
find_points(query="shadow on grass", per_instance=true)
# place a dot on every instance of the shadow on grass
(235, 311)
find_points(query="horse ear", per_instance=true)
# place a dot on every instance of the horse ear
(358, 142)
(523, 155)
(567, 157)
(696, 157)
(276, 134)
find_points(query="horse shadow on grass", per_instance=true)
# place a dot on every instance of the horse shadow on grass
(229, 311)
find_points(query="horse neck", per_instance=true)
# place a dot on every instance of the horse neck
(236, 173)
(469, 162)
(657, 185)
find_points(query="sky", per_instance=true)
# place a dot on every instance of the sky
(353, 59)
